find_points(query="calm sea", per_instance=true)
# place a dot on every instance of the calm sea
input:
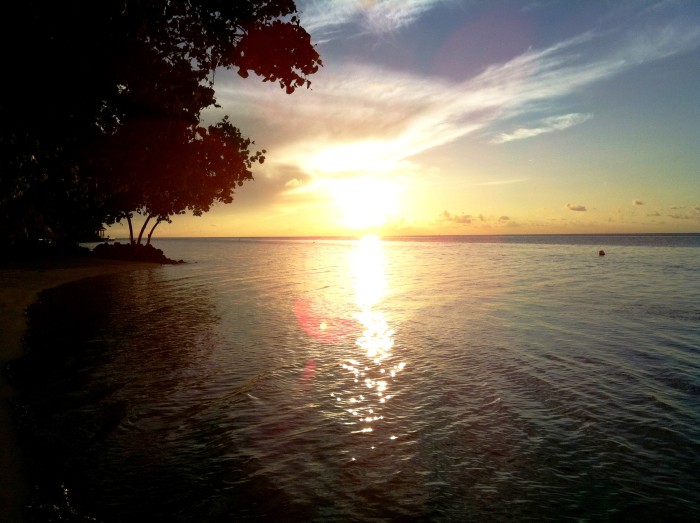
(429, 379)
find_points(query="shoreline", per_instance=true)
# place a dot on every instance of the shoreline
(19, 288)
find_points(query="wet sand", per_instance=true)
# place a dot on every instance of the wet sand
(19, 287)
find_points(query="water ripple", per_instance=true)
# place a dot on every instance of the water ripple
(334, 381)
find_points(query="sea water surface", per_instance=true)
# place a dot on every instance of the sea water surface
(429, 379)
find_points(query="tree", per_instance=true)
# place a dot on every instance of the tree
(101, 115)
(196, 167)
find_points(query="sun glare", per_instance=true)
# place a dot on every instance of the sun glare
(368, 156)
(366, 202)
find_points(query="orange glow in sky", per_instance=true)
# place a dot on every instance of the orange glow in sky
(365, 202)
(444, 117)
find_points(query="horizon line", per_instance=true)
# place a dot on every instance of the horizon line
(389, 236)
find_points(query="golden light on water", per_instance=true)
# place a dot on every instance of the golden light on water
(370, 370)
(369, 281)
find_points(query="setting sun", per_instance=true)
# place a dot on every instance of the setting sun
(366, 202)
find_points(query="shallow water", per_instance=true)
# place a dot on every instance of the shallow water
(339, 380)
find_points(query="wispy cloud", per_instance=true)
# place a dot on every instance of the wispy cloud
(448, 219)
(455, 218)
(575, 207)
(358, 116)
(546, 125)
(324, 17)
(502, 182)
(692, 214)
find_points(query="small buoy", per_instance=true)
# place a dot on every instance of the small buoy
(601, 252)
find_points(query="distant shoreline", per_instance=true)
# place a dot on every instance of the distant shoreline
(20, 286)
(350, 236)
(600, 240)
(418, 237)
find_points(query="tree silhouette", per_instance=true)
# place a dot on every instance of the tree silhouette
(102, 103)
(197, 166)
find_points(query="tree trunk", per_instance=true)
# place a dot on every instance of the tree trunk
(148, 242)
(131, 230)
(143, 228)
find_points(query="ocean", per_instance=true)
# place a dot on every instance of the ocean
(517, 378)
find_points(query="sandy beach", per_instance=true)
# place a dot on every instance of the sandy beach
(19, 287)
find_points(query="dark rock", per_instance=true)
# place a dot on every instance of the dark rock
(132, 252)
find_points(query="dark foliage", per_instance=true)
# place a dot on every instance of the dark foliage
(42, 253)
(101, 107)
(137, 252)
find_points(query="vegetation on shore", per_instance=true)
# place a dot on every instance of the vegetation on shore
(102, 110)
(136, 252)
(42, 252)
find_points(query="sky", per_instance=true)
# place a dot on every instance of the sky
(435, 117)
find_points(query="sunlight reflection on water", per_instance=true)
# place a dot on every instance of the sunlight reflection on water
(370, 371)
(542, 383)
